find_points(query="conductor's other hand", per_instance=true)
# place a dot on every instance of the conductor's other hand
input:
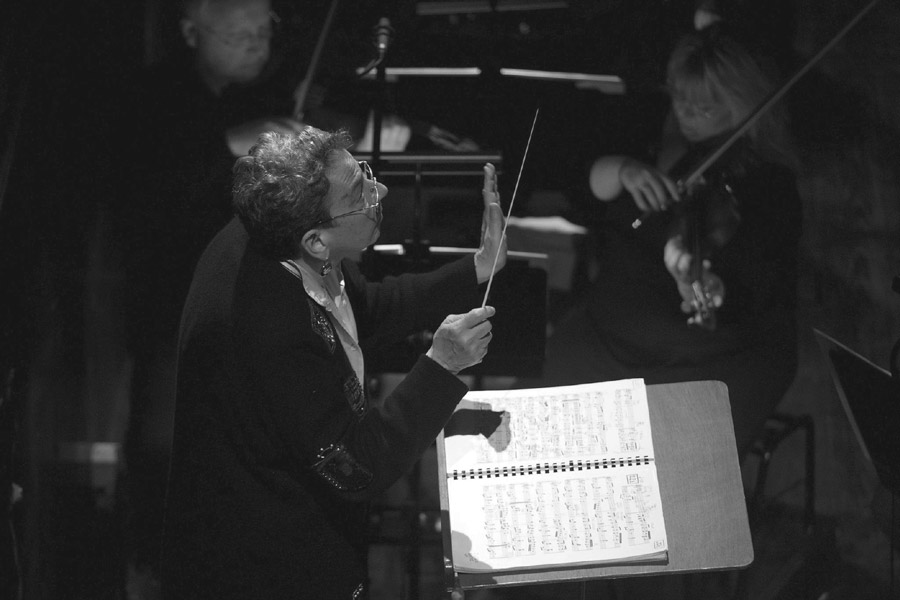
(462, 340)
(493, 242)
(242, 137)
(651, 189)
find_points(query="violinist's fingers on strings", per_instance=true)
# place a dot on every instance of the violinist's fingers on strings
(677, 261)
(657, 194)
(674, 195)
(641, 201)
(683, 266)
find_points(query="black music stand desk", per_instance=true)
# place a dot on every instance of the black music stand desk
(871, 401)
(700, 483)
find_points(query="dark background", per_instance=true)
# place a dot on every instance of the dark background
(65, 69)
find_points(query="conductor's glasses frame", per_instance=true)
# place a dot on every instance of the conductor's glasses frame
(372, 199)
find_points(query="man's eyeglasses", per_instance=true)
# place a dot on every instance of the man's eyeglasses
(243, 39)
(370, 198)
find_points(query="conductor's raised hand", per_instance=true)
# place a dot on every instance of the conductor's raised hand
(462, 340)
(493, 241)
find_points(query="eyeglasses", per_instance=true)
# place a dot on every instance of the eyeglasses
(686, 108)
(683, 106)
(371, 199)
(243, 39)
(697, 104)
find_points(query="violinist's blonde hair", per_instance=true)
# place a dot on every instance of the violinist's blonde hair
(710, 66)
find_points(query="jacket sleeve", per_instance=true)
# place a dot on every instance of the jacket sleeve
(398, 306)
(299, 413)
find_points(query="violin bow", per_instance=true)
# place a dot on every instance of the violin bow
(509, 211)
(303, 88)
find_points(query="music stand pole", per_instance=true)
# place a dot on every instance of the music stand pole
(416, 248)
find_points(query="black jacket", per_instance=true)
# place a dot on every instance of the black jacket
(276, 448)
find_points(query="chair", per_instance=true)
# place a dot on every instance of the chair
(779, 427)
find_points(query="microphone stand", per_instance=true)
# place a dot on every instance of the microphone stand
(381, 37)
(416, 250)
(378, 113)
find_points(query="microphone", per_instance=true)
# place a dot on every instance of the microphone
(382, 35)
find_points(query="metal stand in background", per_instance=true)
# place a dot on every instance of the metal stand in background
(382, 35)
(870, 396)
(378, 116)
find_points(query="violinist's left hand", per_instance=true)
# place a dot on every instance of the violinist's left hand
(493, 241)
(678, 262)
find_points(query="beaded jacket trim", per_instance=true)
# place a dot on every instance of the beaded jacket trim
(341, 469)
(322, 326)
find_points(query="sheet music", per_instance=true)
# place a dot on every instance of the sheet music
(560, 475)
(563, 518)
(602, 420)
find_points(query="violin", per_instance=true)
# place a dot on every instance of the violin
(303, 87)
(706, 219)
(702, 301)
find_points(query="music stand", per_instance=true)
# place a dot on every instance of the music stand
(411, 222)
(519, 294)
(871, 400)
(702, 495)
(608, 84)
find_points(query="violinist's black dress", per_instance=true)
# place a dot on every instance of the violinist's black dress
(630, 323)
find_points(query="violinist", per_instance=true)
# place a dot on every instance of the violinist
(732, 240)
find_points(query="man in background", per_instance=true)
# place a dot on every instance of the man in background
(194, 113)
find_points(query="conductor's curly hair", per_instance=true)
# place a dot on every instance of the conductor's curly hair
(280, 187)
